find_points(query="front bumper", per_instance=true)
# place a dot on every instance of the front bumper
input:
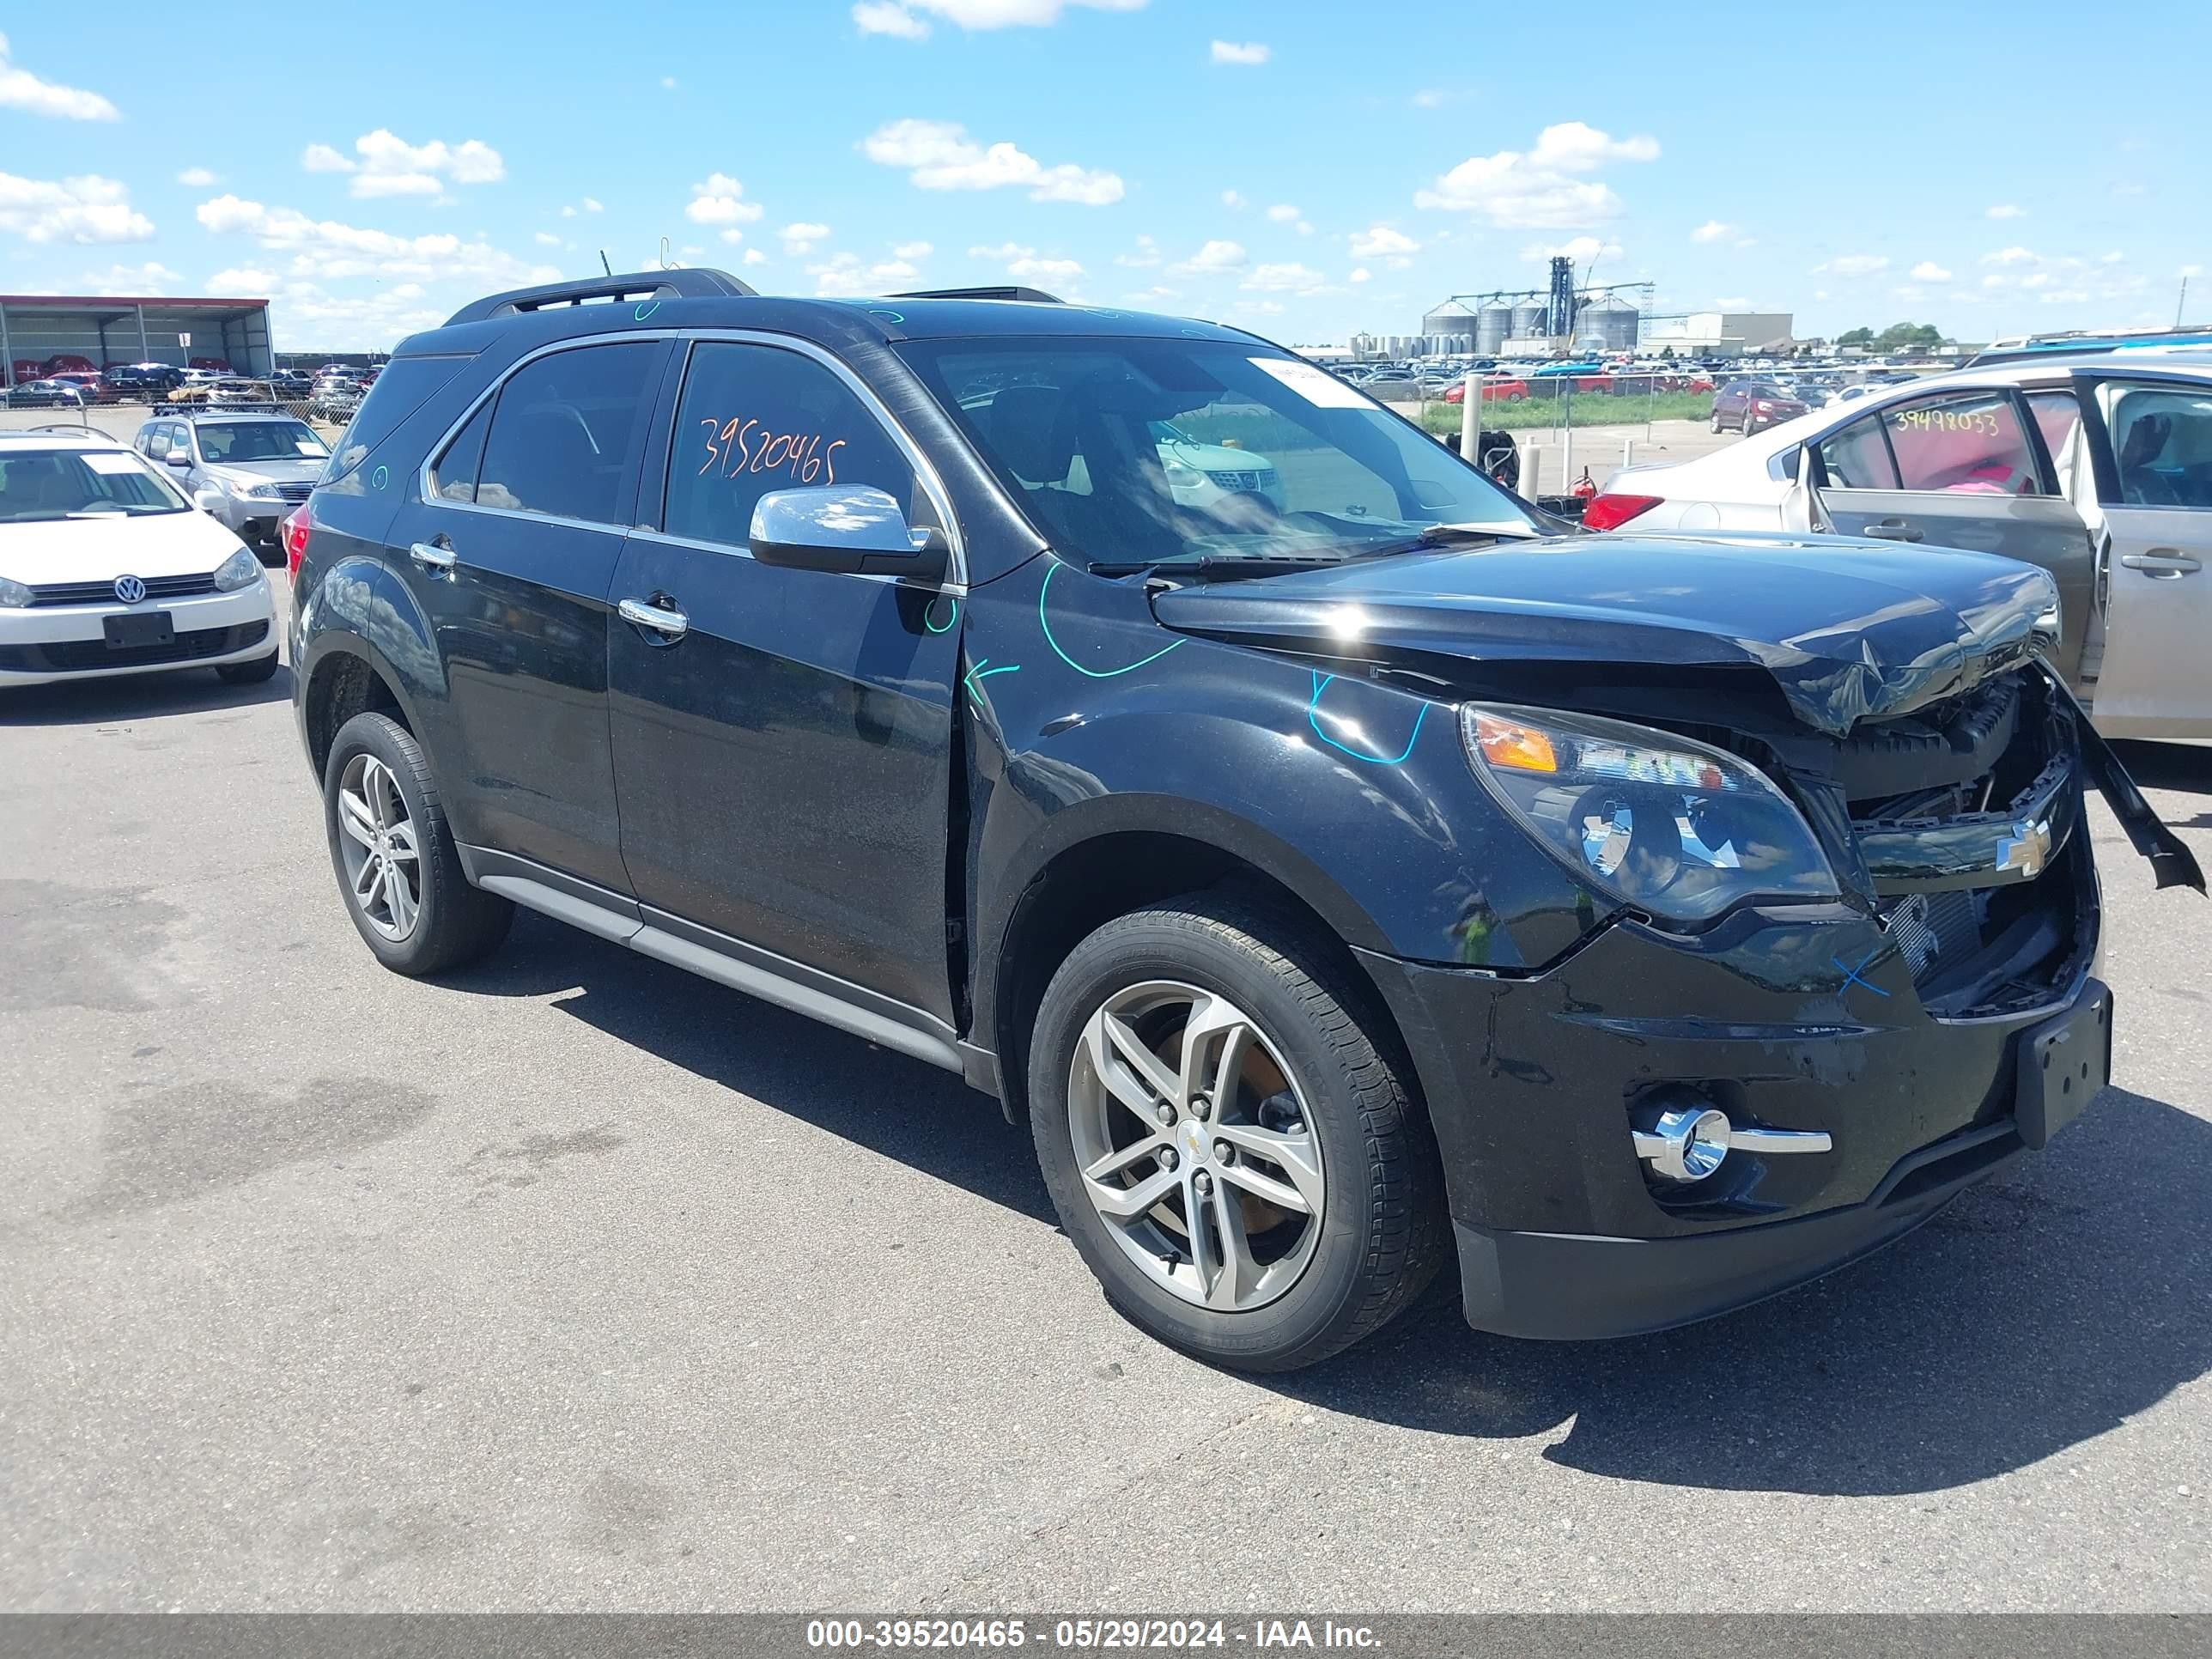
(48, 644)
(1784, 1021)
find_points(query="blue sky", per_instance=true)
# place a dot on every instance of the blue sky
(1304, 169)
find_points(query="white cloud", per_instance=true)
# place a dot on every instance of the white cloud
(1146, 255)
(941, 156)
(86, 210)
(2011, 256)
(1362, 275)
(1537, 188)
(591, 206)
(546, 239)
(754, 257)
(196, 177)
(800, 239)
(1732, 302)
(328, 250)
(913, 250)
(718, 199)
(1045, 271)
(1283, 213)
(587, 205)
(1581, 249)
(1143, 295)
(389, 165)
(250, 280)
(1380, 241)
(1215, 256)
(901, 18)
(845, 275)
(1854, 265)
(2006, 210)
(1234, 51)
(1928, 271)
(1713, 230)
(1304, 228)
(151, 277)
(1290, 277)
(21, 89)
(1003, 251)
(733, 235)
(1234, 201)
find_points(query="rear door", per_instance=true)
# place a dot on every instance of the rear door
(1962, 469)
(510, 552)
(2151, 456)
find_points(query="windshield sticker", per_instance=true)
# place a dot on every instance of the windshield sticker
(309, 446)
(116, 466)
(1045, 622)
(1321, 390)
(746, 446)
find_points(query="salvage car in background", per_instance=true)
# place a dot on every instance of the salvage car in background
(2097, 467)
(1749, 406)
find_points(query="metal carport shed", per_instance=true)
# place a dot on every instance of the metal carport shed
(112, 330)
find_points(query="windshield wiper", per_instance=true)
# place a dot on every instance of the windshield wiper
(1436, 535)
(1217, 564)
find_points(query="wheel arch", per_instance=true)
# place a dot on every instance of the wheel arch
(346, 676)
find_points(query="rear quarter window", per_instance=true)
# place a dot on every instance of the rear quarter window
(404, 387)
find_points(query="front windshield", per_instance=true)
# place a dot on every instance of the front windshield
(232, 441)
(1147, 451)
(46, 484)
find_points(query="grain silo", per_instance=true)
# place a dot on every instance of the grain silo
(1608, 325)
(1451, 326)
(1531, 320)
(1493, 326)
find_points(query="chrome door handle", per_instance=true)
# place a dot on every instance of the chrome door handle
(2163, 562)
(430, 558)
(1892, 530)
(673, 624)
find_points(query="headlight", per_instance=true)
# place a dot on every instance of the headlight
(14, 595)
(1668, 827)
(241, 569)
(1180, 477)
(260, 492)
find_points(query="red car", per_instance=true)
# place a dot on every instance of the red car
(68, 363)
(95, 387)
(1496, 389)
(1748, 406)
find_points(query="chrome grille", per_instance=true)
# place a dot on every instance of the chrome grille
(296, 492)
(1242, 480)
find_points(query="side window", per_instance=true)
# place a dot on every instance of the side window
(564, 432)
(400, 390)
(1858, 457)
(154, 440)
(454, 474)
(181, 438)
(755, 418)
(2058, 417)
(1971, 445)
(2162, 439)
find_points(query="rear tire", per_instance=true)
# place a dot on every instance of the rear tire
(384, 821)
(1337, 1131)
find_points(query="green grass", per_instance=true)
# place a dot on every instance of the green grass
(1587, 408)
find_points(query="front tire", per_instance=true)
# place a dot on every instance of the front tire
(396, 866)
(1207, 1058)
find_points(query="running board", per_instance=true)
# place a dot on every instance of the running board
(724, 966)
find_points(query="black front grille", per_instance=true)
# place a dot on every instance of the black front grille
(75, 656)
(296, 492)
(157, 587)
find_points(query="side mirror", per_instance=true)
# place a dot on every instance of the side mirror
(178, 459)
(853, 528)
(207, 501)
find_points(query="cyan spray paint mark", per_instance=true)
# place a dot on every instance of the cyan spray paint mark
(887, 313)
(1313, 719)
(1853, 976)
(645, 309)
(381, 477)
(977, 673)
(1088, 673)
(929, 611)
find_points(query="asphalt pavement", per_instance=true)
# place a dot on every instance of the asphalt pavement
(575, 1282)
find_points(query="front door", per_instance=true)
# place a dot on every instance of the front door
(510, 557)
(1961, 470)
(2155, 489)
(784, 762)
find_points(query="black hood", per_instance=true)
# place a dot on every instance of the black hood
(1849, 629)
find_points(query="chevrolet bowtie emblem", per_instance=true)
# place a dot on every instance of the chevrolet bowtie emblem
(2027, 849)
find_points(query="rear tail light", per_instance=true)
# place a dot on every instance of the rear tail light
(293, 533)
(1610, 511)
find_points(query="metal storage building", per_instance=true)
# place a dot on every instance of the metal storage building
(109, 330)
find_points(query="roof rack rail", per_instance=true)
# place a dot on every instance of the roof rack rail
(686, 283)
(1034, 295)
(258, 407)
(83, 428)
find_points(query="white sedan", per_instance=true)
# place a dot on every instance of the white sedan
(105, 569)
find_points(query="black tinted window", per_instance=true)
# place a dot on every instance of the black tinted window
(1858, 457)
(755, 418)
(398, 392)
(564, 431)
(453, 476)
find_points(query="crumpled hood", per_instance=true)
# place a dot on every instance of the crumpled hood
(1848, 628)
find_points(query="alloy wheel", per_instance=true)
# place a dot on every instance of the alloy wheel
(383, 863)
(1195, 1146)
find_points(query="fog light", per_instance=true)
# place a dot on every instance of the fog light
(1684, 1143)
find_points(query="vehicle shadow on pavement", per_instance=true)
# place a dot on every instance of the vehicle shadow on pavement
(136, 697)
(2041, 1310)
(927, 1119)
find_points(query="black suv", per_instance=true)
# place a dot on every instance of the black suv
(1330, 869)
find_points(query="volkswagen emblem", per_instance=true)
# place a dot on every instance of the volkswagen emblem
(130, 589)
